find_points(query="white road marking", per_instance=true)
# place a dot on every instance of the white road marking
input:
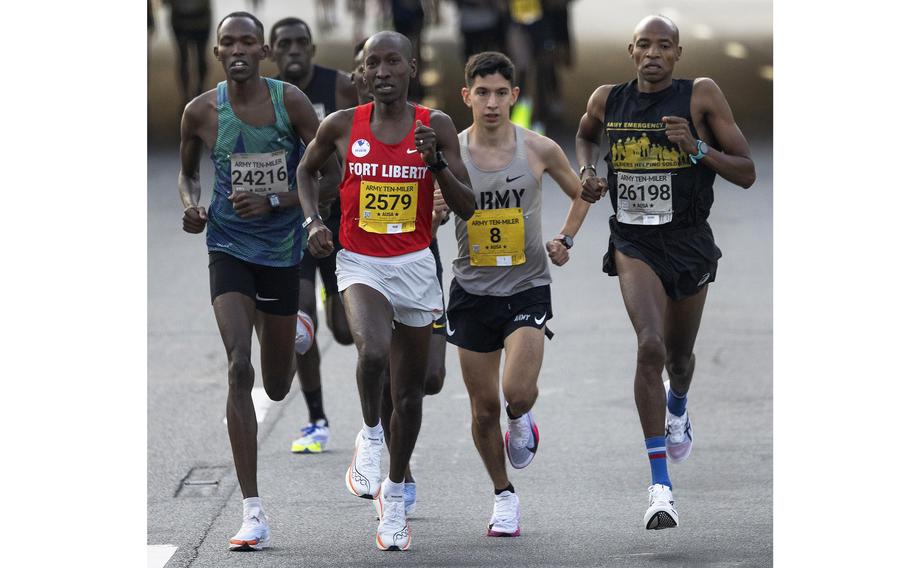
(159, 554)
(261, 403)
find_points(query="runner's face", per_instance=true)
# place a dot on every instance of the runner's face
(293, 51)
(654, 52)
(240, 49)
(490, 99)
(387, 72)
(363, 91)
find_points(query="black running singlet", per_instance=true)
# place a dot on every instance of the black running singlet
(321, 91)
(653, 184)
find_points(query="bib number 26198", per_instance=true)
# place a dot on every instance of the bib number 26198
(644, 199)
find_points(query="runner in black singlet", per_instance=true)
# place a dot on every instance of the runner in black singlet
(666, 140)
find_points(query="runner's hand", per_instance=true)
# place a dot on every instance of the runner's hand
(248, 205)
(194, 218)
(558, 252)
(593, 188)
(425, 142)
(319, 240)
(678, 133)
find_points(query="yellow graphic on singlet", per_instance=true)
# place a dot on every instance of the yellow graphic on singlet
(496, 237)
(526, 11)
(632, 147)
(388, 207)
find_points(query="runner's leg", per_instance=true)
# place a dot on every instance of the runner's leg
(680, 330)
(481, 378)
(524, 357)
(408, 369)
(276, 350)
(436, 366)
(234, 313)
(369, 315)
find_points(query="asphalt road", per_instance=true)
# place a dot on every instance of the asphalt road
(583, 497)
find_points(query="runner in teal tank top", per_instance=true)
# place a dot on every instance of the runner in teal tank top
(272, 240)
(256, 128)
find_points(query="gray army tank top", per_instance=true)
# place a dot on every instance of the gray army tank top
(493, 258)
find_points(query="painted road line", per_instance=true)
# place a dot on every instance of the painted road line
(159, 554)
(261, 403)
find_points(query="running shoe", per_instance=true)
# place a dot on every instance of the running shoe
(660, 514)
(679, 436)
(504, 521)
(410, 497)
(254, 533)
(522, 440)
(363, 476)
(314, 438)
(394, 532)
(410, 500)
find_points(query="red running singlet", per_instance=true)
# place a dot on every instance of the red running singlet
(387, 191)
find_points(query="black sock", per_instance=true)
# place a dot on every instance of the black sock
(314, 404)
(506, 488)
(509, 413)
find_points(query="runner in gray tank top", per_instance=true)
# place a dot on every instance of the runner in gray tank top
(500, 296)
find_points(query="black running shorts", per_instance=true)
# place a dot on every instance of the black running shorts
(481, 323)
(273, 288)
(684, 259)
(326, 265)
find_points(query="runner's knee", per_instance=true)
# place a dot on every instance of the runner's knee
(651, 350)
(486, 413)
(240, 374)
(679, 363)
(373, 361)
(408, 402)
(277, 387)
(521, 400)
(435, 379)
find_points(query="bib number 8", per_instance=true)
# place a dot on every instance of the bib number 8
(495, 237)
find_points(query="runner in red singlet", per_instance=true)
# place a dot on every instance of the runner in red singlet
(392, 151)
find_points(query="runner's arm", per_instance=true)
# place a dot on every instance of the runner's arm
(587, 144)
(305, 122)
(454, 181)
(188, 184)
(732, 159)
(557, 165)
(320, 149)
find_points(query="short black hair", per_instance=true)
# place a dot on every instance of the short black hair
(291, 21)
(259, 27)
(488, 63)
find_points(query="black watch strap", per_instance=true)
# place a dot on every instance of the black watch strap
(440, 164)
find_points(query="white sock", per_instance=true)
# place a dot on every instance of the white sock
(373, 432)
(252, 506)
(393, 489)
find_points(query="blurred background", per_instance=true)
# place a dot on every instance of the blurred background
(563, 50)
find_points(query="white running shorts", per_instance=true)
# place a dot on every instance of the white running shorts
(407, 281)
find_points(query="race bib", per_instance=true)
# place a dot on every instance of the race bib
(388, 207)
(259, 173)
(644, 199)
(496, 237)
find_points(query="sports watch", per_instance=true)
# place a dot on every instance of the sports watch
(440, 164)
(702, 151)
(566, 241)
(309, 221)
(581, 170)
(274, 202)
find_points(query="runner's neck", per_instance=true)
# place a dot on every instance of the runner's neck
(246, 92)
(502, 136)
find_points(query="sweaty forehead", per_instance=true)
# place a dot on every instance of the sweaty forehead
(382, 46)
(656, 28)
(292, 31)
(239, 27)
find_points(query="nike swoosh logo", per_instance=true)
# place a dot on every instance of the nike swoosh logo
(449, 329)
(540, 321)
(261, 299)
(437, 325)
(510, 180)
(411, 151)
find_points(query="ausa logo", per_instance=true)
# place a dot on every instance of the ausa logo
(360, 148)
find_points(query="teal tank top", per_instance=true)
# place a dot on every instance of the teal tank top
(264, 160)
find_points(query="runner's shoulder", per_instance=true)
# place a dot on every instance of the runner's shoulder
(706, 93)
(539, 144)
(338, 122)
(202, 107)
